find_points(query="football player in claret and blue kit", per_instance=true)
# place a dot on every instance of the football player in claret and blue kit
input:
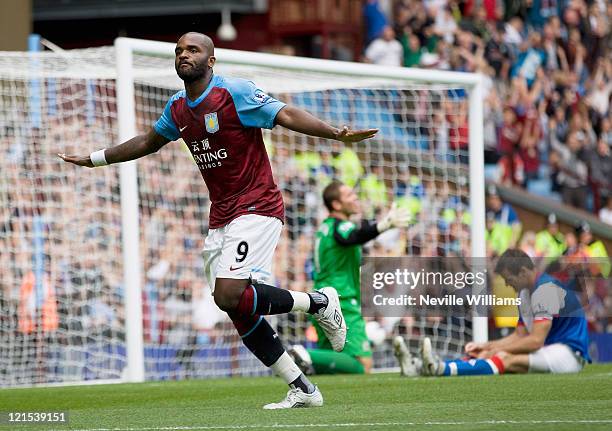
(220, 119)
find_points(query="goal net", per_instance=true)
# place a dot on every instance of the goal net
(101, 273)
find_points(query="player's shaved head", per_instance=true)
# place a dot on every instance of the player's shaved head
(200, 38)
(195, 57)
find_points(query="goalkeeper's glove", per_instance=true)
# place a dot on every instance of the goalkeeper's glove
(396, 217)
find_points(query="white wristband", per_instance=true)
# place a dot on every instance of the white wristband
(98, 159)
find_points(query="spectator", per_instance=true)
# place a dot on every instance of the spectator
(528, 244)
(504, 214)
(513, 33)
(530, 59)
(530, 139)
(595, 249)
(458, 131)
(599, 96)
(511, 167)
(498, 236)
(599, 306)
(538, 12)
(497, 54)
(375, 20)
(412, 50)
(600, 169)
(478, 24)
(511, 170)
(385, 50)
(494, 10)
(558, 125)
(573, 172)
(510, 132)
(493, 119)
(550, 242)
(551, 48)
(605, 214)
(445, 25)
(576, 252)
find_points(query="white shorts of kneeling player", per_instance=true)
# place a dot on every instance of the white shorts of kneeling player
(555, 358)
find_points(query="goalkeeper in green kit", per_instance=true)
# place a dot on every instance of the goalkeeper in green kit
(337, 258)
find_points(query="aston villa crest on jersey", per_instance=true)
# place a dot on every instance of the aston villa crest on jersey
(212, 123)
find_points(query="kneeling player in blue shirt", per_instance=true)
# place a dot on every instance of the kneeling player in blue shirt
(551, 336)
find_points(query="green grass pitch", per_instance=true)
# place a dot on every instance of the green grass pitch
(374, 402)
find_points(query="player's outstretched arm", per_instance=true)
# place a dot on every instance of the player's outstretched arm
(346, 235)
(138, 146)
(301, 121)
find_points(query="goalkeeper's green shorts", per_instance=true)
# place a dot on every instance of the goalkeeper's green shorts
(357, 343)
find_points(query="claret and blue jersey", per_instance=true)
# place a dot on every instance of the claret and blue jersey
(553, 300)
(222, 129)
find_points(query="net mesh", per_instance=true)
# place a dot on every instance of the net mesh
(62, 316)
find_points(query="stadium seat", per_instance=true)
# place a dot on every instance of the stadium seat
(540, 187)
(491, 172)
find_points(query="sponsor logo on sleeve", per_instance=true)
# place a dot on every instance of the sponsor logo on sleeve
(260, 96)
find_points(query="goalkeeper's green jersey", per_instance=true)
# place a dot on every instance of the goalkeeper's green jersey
(337, 265)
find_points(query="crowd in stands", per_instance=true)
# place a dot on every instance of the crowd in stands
(548, 82)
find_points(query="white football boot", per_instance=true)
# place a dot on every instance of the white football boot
(331, 320)
(409, 365)
(296, 398)
(431, 364)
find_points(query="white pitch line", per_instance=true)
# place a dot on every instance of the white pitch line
(352, 425)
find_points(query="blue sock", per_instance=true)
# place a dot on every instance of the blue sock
(473, 367)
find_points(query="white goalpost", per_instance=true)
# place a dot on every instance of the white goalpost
(117, 248)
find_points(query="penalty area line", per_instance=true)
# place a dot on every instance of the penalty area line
(355, 424)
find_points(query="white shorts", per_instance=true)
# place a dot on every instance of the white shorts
(555, 358)
(242, 249)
